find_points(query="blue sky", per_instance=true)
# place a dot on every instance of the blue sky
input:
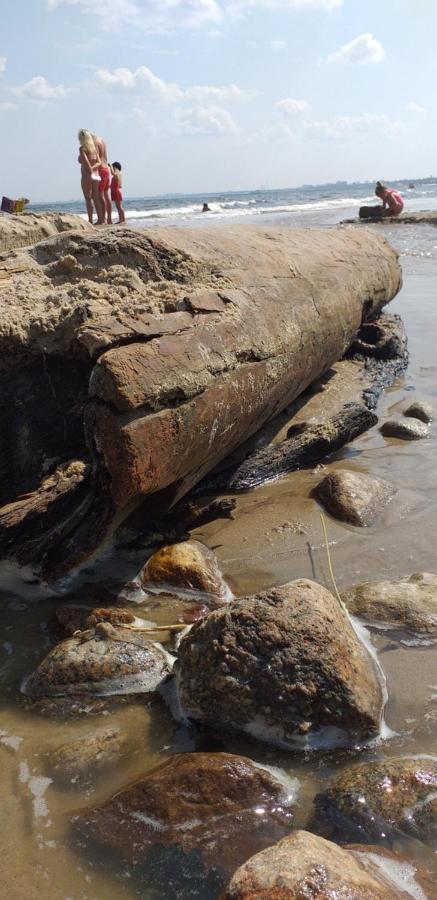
(211, 95)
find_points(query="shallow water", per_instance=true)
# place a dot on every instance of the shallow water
(276, 535)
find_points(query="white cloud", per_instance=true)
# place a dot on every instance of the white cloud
(363, 124)
(363, 50)
(205, 120)
(220, 94)
(2, 63)
(278, 45)
(147, 15)
(6, 106)
(142, 81)
(241, 6)
(290, 106)
(416, 108)
(38, 88)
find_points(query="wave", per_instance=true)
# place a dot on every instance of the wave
(240, 208)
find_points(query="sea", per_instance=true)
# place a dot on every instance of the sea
(309, 205)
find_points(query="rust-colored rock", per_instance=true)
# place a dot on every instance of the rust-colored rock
(305, 867)
(187, 569)
(165, 352)
(285, 666)
(380, 799)
(354, 497)
(222, 806)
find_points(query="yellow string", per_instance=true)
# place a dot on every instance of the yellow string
(331, 571)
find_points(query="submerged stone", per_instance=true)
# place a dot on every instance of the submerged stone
(221, 806)
(354, 497)
(410, 602)
(420, 409)
(379, 799)
(75, 763)
(406, 430)
(303, 865)
(285, 666)
(188, 569)
(103, 661)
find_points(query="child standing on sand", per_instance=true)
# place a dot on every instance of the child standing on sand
(116, 195)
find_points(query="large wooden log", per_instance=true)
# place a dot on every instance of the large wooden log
(229, 327)
(167, 411)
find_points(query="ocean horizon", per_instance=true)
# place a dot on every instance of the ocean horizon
(305, 205)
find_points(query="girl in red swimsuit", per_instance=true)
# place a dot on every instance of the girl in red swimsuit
(116, 195)
(392, 202)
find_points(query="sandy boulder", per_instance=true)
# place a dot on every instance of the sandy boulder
(410, 603)
(189, 569)
(221, 806)
(104, 661)
(354, 497)
(303, 865)
(420, 409)
(379, 799)
(285, 666)
(410, 429)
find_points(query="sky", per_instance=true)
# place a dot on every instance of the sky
(197, 96)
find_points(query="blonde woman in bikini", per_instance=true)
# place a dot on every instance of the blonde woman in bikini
(89, 164)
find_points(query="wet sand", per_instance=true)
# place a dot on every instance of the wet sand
(276, 535)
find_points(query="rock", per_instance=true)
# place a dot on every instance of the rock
(189, 569)
(409, 603)
(411, 430)
(103, 661)
(285, 666)
(424, 217)
(354, 497)
(378, 800)
(303, 865)
(420, 409)
(81, 618)
(164, 357)
(221, 806)
(424, 820)
(75, 763)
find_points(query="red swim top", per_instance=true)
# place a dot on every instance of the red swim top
(397, 198)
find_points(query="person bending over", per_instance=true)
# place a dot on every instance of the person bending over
(392, 202)
(116, 194)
